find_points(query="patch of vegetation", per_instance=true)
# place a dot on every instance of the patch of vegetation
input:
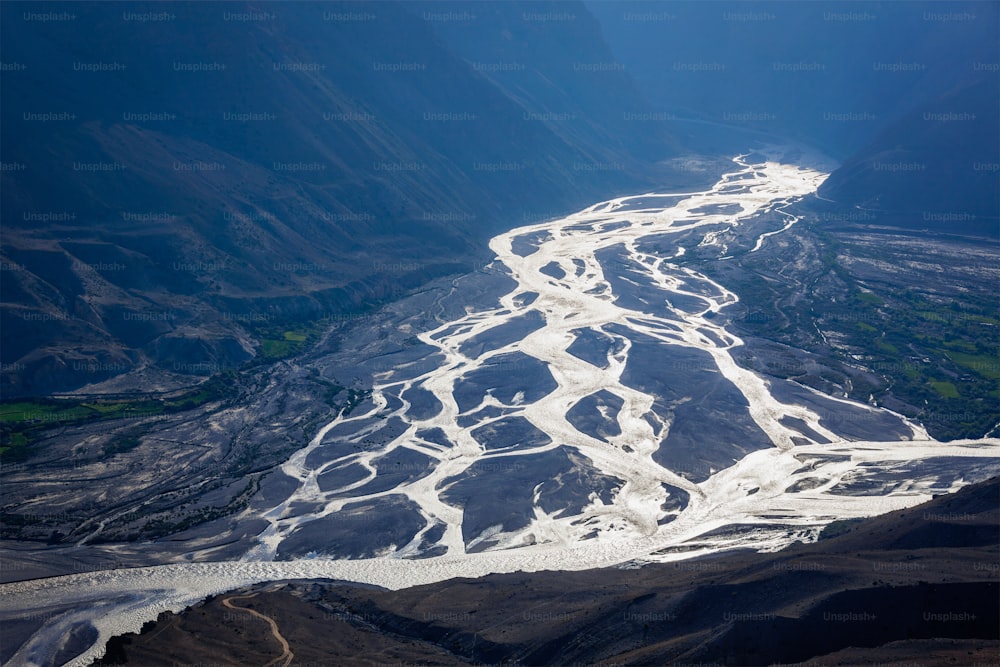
(354, 398)
(939, 358)
(886, 346)
(121, 443)
(937, 352)
(32, 525)
(43, 410)
(985, 365)
(330, 389)
(161, 527)
(23, 422)
(283, 340)
(869, 298)
(946, 389)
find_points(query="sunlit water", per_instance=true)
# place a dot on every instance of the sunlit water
(594, 291)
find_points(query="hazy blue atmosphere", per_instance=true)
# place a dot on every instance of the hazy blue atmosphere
(534, 333)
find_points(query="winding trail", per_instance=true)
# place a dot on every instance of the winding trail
(286, 656)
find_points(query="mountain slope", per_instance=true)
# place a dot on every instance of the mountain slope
(937, 167)
(829, 74)
(194, 177)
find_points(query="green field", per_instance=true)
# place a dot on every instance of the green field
(22, 422)
(47, 411)
(986, 365)
(946, 389)
(279, 342)
(937, 352)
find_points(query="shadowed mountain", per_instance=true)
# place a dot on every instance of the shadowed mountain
(179, 178)
(830, 74)
(914, 585)
(905, 93)
(936, 168)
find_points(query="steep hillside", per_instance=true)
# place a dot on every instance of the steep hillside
(182, 183)
(830, 74)
(936, 168)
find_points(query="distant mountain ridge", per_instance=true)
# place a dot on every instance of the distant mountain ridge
(906, 93)
(182, 180)
(828, 73)
(178, 176)
(937, 167)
